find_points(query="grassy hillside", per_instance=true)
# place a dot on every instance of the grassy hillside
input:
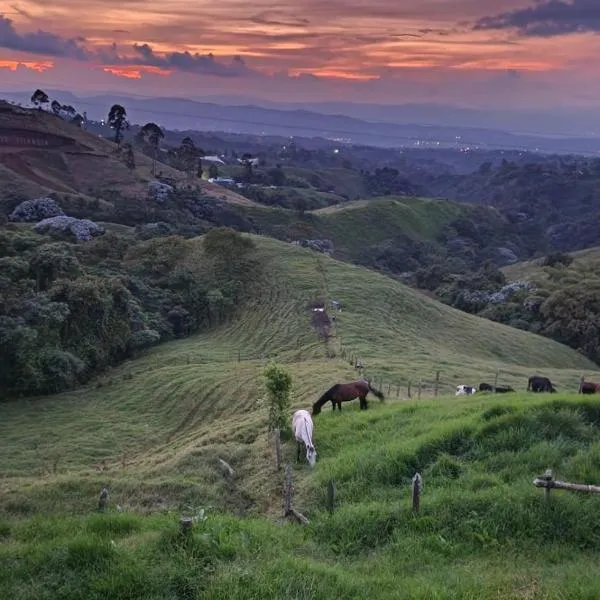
(355, 226)
(75, 162)
(154, 429)
(587, 260)
(484, 531)
(190, 400)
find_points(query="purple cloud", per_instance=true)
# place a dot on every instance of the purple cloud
(40, 42)
(548, 18)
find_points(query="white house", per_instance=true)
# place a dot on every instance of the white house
(213, 159)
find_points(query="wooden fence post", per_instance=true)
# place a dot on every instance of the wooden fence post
(103, 500)
(548, 476)
(185, 525)
(278, 449)
(581, 380)
(419, 395)
(496, 379)
(417, 487)
(409, 393)
(288, 509)
(331, 496)
(287, 491)
(437, 383)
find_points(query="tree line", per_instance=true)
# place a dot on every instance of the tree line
(69, 311)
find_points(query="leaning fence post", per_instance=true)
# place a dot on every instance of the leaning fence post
(437, 383)
(331, 496)
(287, 491)
(417, 487)
(278, 449)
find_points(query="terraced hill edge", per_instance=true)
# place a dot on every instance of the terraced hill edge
(42, 153)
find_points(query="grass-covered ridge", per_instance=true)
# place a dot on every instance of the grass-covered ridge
(484, 531)
(161, 419)
(354, 227)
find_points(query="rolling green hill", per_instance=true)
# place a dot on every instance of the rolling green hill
(584, 261)
(153, 430)
(355, 226)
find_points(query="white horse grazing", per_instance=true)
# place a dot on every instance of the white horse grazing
(303, 427)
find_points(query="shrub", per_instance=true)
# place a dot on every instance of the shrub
(278, 383)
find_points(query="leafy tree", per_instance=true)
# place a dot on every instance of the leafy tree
(277, 176)
(278, 384)
(77, 120)
(40, 98)
(213, 171)
(128, 156)
(56, 107)
(151, 134)
(117, 120)
(68, 111)
(248, 174)
(189, 156)
(558, 258)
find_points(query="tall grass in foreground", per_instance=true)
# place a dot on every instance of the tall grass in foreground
(484, 531)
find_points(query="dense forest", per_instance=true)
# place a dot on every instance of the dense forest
(69, 310)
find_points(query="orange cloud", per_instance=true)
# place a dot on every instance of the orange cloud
(134, 72)
(38, 66)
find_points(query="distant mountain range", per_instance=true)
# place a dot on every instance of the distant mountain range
(410, 125)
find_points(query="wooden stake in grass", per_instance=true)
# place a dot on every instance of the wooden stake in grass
(417, 487)
(496, 379)
(103, 500)
(288, 509)
(547, 479)
(287, 491)
(331, 496)
(419, 393)
(185, 525)
(437, 383)
(278, 449)
(409, 392)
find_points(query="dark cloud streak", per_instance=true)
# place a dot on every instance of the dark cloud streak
(547, 18)
(49, 44)
(40, 42)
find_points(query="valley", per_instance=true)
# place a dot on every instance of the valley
(134, 361)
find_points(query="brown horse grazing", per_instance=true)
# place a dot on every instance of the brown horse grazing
(344, 392)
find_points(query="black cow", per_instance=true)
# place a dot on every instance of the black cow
(499, 389)
(503, 389)
(540, 384)
(587, 387)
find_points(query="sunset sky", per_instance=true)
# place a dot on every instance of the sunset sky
(523, 53)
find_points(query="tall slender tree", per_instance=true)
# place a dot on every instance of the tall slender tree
(117, 120)
(151, 134)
